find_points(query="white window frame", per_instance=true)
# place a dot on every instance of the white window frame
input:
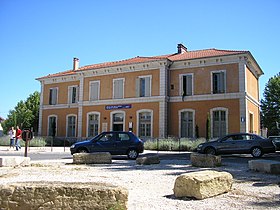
(48, 128)
(138, 120)
(71, 115)
(138, 88)
(56, 99)
(92, 113)
(112, 119)
(193, 126)
(181, 83)
(225, 81)
(98, 90)
(123, 81)
(211, 117)
(70, 94)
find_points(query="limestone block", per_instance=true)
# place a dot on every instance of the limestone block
(205, 160)
(202, 184)
(11, 161)
(92, 158)
(267, 166)
(59, 195)
(148, 160)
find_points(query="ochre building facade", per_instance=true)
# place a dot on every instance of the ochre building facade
(158, 96)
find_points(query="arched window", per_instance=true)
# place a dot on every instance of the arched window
(145, 119)
(186, 123)
(93, 120)
(71, 126)
(219, 122)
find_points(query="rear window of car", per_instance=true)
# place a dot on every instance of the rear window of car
(123, 137)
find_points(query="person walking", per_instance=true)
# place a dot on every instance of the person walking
(18, 137)
(12, 134)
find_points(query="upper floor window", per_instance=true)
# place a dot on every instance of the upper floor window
(53, 96)
(219, 82)
(186, 84)
(94, 87)
(73, 94)
(118, 88)
(143, 86)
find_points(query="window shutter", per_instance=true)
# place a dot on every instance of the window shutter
(189, 85)
(147, 86)
(54, 96)
(137, 87)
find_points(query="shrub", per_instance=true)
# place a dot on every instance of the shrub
(173, 144)
(35, 142)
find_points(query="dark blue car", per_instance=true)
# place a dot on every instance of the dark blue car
(115, 142)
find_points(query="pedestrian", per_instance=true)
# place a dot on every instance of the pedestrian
(18, 137)
(12, 134)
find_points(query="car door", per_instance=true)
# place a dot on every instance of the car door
(104, 143)
(226, 144)
(242, 143)
(123, 142)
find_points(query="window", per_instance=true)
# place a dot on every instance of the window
(53, 96)
(218, 82)
(71, 126)
(94, 87)
(187, 124)
(123, 137)
(186, 82)
(93, 124)
(143, 86)
(73, 94)
(52, 128)
(118, 85)
(145, 124)
(219, 123)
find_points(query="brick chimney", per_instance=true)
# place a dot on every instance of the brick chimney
(76, 64)
(181, 49)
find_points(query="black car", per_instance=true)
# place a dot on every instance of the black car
(275, 141)
(115, 142)
(239, 143)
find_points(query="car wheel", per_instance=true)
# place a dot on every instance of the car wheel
(82, 150)
(132, 154)
(210, 151)
(256, 152)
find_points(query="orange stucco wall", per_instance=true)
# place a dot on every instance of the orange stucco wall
(253, 109)
(252, 84)
(202, 78)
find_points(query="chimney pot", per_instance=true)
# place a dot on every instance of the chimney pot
(76, 64)
(181, 48)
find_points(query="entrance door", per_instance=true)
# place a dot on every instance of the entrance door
(118, 122)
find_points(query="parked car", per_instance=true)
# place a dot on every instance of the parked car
(115, 142)
(238, 143)
(276, 141)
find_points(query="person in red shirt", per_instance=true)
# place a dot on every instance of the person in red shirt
(18, 137)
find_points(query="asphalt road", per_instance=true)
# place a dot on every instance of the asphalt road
(57, 154)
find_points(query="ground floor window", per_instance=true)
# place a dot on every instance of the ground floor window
(52, 126)
(71, 126)
(145, 124)
(219, 123)
(93, 124)
(187, 124)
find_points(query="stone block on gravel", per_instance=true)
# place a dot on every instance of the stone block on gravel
(202, 184)
(11, 161)
(92, 158)
(59, 195)
(267, 166)
(148, 160)
(205, 160)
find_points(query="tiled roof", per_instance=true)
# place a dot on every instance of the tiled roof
(186, 55)
(203, 54)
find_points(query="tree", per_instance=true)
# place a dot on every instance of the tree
(270, 106)
(25, 114)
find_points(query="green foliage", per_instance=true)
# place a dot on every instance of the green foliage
(25, 114)
(270, 106)
(172, 144)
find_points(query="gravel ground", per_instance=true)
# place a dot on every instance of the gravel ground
(151, 186)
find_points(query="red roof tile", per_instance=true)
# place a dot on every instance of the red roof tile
(173, 57)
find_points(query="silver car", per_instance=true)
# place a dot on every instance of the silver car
(238, 143)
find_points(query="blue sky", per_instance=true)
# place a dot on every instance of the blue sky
(39, 37)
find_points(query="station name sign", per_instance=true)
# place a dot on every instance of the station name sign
(121, 106)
